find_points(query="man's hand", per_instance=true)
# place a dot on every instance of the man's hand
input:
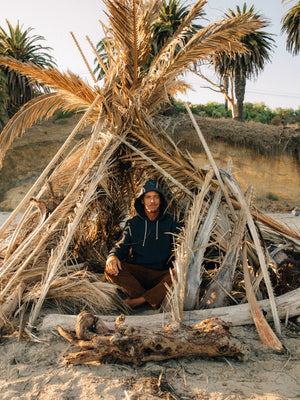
(113, 265)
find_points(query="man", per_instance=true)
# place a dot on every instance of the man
(148, 240)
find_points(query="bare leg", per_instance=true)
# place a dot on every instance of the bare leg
(136, 302)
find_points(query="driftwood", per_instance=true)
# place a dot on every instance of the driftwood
(288, 306)
(210, 338)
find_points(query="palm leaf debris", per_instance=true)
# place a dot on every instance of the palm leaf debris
(73, 213)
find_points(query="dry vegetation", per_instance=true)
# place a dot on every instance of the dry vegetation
(262, 139)
(71, 215)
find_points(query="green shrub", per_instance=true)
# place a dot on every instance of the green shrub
(272, 196)
(216, 114)
(60, 114)
(256, 112)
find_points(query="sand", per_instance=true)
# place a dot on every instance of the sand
(30, 370)
(36, 371)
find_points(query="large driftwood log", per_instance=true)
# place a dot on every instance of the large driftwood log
(210, 338)
(288, 306)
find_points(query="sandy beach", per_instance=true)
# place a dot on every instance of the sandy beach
(36, 370)
(31, 370)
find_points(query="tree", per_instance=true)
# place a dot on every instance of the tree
(172, 14)
(22, 46)
(3, 98)
(291, 26)
(239, 67)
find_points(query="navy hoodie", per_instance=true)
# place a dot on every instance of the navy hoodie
(150, 242)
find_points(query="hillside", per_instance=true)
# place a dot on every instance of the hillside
(267, 157)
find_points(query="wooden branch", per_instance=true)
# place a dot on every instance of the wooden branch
(266, 334)
(210, 338)
(220, 87)
(87, 322)
(212, 161)
(288, 304)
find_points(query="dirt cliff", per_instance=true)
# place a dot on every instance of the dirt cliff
(266, 157)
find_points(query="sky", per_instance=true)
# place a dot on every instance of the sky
(278, 85)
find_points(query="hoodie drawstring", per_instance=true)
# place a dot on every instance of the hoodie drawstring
(145, 234)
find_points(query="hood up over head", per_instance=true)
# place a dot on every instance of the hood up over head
(149, 186)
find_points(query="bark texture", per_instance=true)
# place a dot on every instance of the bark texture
(210, 338)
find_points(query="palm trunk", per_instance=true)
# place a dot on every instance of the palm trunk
(239, 87)
(226, 87)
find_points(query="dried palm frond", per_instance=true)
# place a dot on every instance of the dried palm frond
(65, 83)
(26, 116)
(184, 253)
(82, 290)
(166, 66)
(82, 196)
(130, 23)
(58, 254)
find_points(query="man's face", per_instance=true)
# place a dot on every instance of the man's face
(151, 201)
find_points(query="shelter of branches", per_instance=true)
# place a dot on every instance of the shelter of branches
(54, 245)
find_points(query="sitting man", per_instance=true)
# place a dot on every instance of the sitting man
(149, 237)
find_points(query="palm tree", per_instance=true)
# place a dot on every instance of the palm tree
(171, 15)
(240, 67)
(22, 46)
(291, 26)
(101, 48)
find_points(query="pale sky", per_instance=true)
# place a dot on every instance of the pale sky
(277, 86)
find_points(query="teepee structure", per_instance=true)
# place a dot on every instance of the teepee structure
(71, 216)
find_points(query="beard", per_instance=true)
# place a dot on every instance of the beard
(152, 210)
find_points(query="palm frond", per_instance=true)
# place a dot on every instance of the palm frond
(179, 34)
(185, 249)
(100, 176)
(66, 83)
(215, 37)
(131, 34)
(42, 107)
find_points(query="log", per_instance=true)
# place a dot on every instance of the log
(210, 338)
(288, 305)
